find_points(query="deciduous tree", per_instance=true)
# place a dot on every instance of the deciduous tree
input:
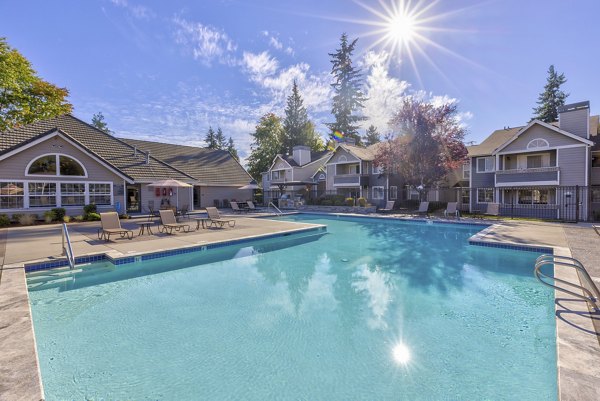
(266, 145)
(25, 97)
(426, 144)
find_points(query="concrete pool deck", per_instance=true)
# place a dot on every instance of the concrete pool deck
(577, 340)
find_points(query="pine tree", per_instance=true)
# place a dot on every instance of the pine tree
(297, 128)
(372, 136)
(220, 139)
(99, 122)
(210, 139)
(551, 98)
(348, 98)
(231, 149)
(266, 145)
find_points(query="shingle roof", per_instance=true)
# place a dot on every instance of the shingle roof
(109, 149)
(314, 156)
(492, 142)
(367, 153)
(208, 166)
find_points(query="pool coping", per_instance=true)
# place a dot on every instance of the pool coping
(573, 364)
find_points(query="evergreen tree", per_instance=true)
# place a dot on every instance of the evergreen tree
(25, 97)
(220, 139)
(231, 149)
(372, 136)
(99, 122)
(266, 145)
(551, 98)
(348, 98)
(298, 129)
(210, 139)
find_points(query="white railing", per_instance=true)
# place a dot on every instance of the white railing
(67, 249)
(528, 170)
(279, 212)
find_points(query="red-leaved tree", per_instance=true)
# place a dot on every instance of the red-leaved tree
(426, 144)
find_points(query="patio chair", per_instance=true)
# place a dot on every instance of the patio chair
(452, 209)
(251, 207)
(169, 223)
(112, 225)
(493, 209)
(423, 209)
(389, 206)
(152, 213)
(216, 220)
(236, 208)
(184, 212)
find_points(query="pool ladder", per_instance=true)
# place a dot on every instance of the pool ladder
(67, 249)
(590, 291)
(279, 212)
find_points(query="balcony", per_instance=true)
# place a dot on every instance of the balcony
(346, 180)
(528, 176)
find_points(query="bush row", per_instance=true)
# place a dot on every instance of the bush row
(336, 200)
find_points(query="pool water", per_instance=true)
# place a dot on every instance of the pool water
(373, 310)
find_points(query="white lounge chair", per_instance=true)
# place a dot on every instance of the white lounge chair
(423, 209)
(452, 209)
(493, 209)
(389, 206)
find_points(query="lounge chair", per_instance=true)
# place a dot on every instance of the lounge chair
(389, 206)
(596, 228)
(236, 208)
(251, 207)
(168, 222)
(423, 209)
(493, 209)
(112, 225)
(216, 220)
(452, 209)
(184, 212)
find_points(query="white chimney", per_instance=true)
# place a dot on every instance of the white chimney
(301, 154)
(575, 118)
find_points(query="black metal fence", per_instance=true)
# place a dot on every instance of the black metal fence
(557, 203)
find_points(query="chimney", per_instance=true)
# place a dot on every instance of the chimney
(301, 154)
(575, 118)
(148, 157)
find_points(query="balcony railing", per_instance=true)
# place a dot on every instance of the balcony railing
(545, 175)
(346, 179)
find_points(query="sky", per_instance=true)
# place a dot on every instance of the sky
(166, 71)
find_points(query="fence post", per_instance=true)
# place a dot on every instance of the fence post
(576, 203)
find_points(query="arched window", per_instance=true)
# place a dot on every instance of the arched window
(538, 143)
(342, 158)
(56, 164)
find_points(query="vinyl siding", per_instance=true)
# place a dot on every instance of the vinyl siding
(573, 169)
(575, 122)
(537, 131)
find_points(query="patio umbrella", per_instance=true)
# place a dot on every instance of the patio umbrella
(249, 186)
(171, 183)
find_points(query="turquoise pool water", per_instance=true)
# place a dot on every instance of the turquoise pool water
(373, 310)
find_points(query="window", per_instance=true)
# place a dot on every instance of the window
(342, 158)
(393, 193)
(377, 192)
(11, 195)
(100, 194)
(595, 195)
(534, 161)
(377, 169)
(485, 164)
(485, 195)
(68, 166)
(42, 194)
(72, 194)
(533, 196)
(357, 169)
(413, 194)
(47, 165)
(538, 143)
(464, 196)
(595, 159)
(275, 175)
(466, 171)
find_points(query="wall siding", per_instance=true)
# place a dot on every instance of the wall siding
(575, 122)
(573, 169)
(537, 131)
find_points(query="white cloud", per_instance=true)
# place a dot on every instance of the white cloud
(273, 41)
(138, 11)
(205, 42)
(259, 65)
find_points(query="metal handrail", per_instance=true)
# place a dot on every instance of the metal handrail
(592, 295)
(68, 249)
(279, 212)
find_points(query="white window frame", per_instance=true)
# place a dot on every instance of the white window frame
(489, 167)
(393, 192)
(486, 189)
(376, 190)
(466, 169)
(57, 161)
(22, 196)
(534, 144)
(376, 170)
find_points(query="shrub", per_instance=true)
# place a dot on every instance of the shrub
(49, 216)
(362, 202)
(59, 213)
(92, 217)
(67, 219)
(16, 217)
(91, 208)
(27, 219)
(4, 220)
(79, 218)
(349, 201)
(124, 216)
(327, 202)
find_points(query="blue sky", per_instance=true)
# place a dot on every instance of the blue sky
(167, 70)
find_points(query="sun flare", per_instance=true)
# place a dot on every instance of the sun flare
(401, 28)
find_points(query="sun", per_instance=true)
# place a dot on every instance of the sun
(401, 28)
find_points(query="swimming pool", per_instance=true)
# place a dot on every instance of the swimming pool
(373, 310)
